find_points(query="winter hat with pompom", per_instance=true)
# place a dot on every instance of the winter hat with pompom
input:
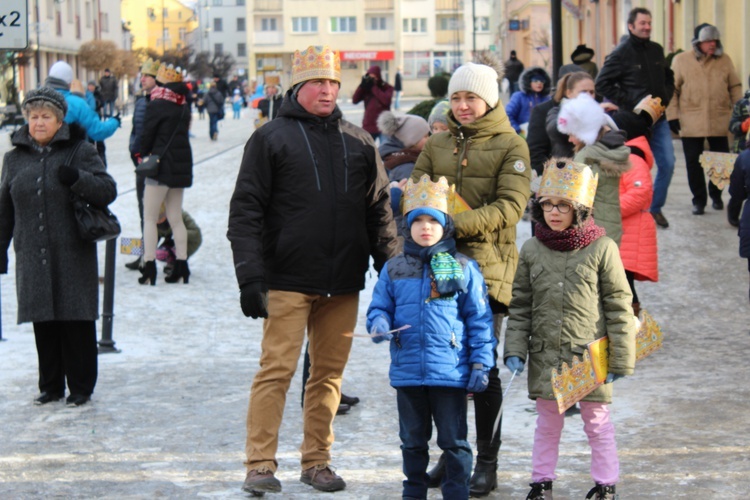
(584, 118)
(409, 129)
(477, 78)
(62, 71)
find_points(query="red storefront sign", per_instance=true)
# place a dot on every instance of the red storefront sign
(367, 55)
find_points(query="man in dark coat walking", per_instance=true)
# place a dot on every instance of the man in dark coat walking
(108, 85)
(513, 69)
(310, 206)
(637, 68)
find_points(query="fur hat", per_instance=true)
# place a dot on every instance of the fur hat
(62, 71)
(409, 129)
(704, 33)
(439, 113)
(582, 54)
(583, 118)
(46, 94)
(480, 79)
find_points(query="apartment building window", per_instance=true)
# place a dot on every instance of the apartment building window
(448, 24)
(482, 24)
(183, 33)
(304, 25)
(416, 64)
(70, 11)
(343, 25)
(218, 24)
(241, 50)
(105, 21)
(240, 24)
(268, 24)
(88, 14)
(50, 9)
(240, 2)
(377, 24)
(165, 12)
(415, 25)
(216, 3)
(150, 13)
(218, 49)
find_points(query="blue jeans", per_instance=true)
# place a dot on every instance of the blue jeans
(109, 108)
(213, 124)
(417, 408)
(661, 146)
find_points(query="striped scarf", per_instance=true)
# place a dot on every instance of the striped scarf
(447, 273)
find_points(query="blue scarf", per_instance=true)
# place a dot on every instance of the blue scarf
(447, 273)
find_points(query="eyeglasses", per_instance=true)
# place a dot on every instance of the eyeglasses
(563, 208)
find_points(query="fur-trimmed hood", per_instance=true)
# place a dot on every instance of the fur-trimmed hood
(525, 79)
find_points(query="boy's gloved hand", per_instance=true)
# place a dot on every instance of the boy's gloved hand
(611, 377)
(479, 380)
(514, 364)
(378, 329)
(674, 126)
(254, 300)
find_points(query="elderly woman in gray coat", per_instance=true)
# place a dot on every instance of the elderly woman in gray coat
(57, 273)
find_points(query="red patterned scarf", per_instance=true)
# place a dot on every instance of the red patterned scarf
(167, 95)
(572, 238)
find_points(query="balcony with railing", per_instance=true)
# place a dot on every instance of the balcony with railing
(449, 5)
(449, 36)
(268, 38)
(380, 37)
(268, 5)
(378, 5)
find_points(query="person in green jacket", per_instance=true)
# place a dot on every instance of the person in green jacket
(570, 289)
(489, 165)
(165, 251)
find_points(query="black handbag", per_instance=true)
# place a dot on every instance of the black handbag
(149, 167)
(94, 223)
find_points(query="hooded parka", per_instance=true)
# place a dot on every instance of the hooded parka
(563, 301)
(57, 276)
(310, 206)
(489, 165)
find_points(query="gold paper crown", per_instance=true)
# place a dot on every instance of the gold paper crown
(273, 80)
(649, 337)
(564, 178)
(652, 106)
(169, 74)
(150, 67)
(316, 62)
(427, 194)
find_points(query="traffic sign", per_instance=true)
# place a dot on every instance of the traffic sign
(14, 24)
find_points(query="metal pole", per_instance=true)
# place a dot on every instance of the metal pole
(36, 54)
(106, 344)
(473, 28)
(556, 14)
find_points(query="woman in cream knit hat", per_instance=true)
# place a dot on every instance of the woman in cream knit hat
(489, 165)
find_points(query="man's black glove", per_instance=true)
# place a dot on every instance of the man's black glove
(674, 126)
(68, 175)
(367, 82)
(254, 300)
(119, 120)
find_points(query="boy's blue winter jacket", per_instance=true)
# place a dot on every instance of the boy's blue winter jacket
(79, 112)
(447, 335)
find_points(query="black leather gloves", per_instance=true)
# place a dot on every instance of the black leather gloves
(674, 126)
(254, 300)
(68, 175)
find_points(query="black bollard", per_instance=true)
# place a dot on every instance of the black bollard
(106, 344)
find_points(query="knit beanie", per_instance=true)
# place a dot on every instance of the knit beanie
(439, 114)
(62, 71)
(432, 212)
(46, 94)
(409, 129)
(583, 118)
(477, 78)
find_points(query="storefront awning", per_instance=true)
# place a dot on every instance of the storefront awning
(365, 55)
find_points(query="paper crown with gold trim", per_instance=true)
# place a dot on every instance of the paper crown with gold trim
(564, 178)
(652, 106)
(316, 62)
(427, 194)
(169, 74)
(150, 67)
(273, 80)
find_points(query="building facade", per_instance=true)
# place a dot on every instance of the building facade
(159, 25)
(223, 28)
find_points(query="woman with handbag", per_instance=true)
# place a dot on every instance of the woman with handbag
(165, 133)
(57, 274)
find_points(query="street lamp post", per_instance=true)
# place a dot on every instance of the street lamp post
(37, 58)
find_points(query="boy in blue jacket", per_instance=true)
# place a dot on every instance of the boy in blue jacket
(431, 303)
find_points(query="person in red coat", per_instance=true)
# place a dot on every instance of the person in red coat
(638, 248)
(377, 96)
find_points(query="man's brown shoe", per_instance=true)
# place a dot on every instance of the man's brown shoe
(259, 481)
(322, 478)
(660, 220)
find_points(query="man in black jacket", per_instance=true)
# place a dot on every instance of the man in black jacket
(310, 206)
(108, 86)
(148, 83)
(635, 69)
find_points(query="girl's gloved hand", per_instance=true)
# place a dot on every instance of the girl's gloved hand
(514, 364)
(478, 381)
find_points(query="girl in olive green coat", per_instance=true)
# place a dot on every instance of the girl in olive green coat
(569, 290)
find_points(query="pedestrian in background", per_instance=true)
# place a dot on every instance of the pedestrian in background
(237, 101)
(57, 275)
(635, 69)
(582, 295)
(706, 87)
(302, 242)
(445, 347)
(489, 165)
(149, 70)
(398, 87)
(377, 95)
(513, 69)
(109, 91)
(535, 88)
(214, 100)
(583, 57)
(167, 118)
(270, 105)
